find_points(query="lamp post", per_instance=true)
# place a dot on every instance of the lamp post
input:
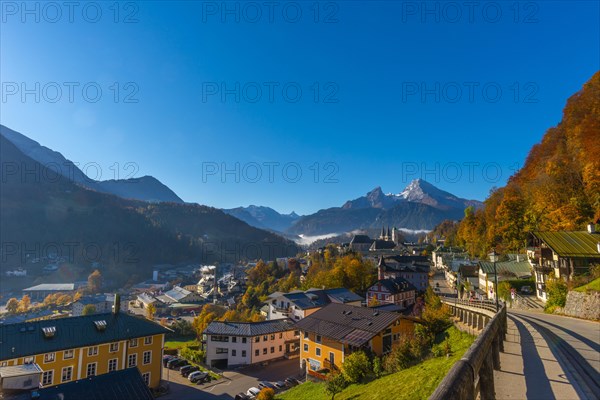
(494, 258)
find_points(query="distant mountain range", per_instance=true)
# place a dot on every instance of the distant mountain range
(420, 206)
(42, 212)
(264, 217)
(145, 188)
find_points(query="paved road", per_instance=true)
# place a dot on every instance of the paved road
(233, 383)
(442, 283)
(549, 357)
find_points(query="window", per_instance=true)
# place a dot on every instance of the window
(221, 350)
(318, 338)
(147, 358)
(265, 338)
(280, 347)
(257, 352)
(114, 347)
(296, 333)
(257, 339)
(243, 353)
(273, 337)
(272, 350)
(265, 350)
(219, 338)
(243, 340)
(49, 357)
(280, 335)
(305, 335)
(133, 343)
(305, 347)
(28, 360)
(67, 374)
(132, 360)
(318, 351)
(47, 377)
(68, 354)
(146, 378)
(91, 369)
(233, 353)
(234, 339)
(93, 351)
(148, 340)
(112, 365)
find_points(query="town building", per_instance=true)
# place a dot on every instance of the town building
(516, 268)
(563, 253)
(118, 385)
(298, 304)
(103, 303)
(330, 334)
(414, 269)
(360, 244)
(396, 291)
(231, 344)
(69, 349)
(39, 292)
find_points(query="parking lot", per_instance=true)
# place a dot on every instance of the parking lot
(232, 383)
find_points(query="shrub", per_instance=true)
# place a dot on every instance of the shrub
(335, 384)
(192, 354)
(377, 367)
(266, 394)
(557, 294)
(356, 367)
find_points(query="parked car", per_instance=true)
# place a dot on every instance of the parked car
(197, 376)
(265, 384)
(183, 363)
(253, 392)
(292, 381)
(242, 396)
(170, 361)
(178, 362)
(188, 369)
(280, 385)
(526, 290)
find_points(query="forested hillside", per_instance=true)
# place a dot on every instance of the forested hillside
(557, 188)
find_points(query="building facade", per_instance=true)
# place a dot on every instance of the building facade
(70, 349)
(396, 291)
(231, 344)
(335, 331)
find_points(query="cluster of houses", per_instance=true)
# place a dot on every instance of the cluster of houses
(561, 254)
(318, 326)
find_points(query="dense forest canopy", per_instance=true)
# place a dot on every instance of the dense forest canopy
(558, 188)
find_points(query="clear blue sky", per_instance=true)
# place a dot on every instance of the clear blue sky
(377, 68)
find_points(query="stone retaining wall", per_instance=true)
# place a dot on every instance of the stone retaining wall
(582, 305)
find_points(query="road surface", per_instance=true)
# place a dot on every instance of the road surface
(549, 357)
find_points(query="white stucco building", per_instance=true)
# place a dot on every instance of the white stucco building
(230, 344)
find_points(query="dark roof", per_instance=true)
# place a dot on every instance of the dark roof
(320, 297)
(361, 239)
(469, 270)
(517, 268)
(395, 285)
(571, 243)
(124, 384)
(347, 324)
(382, 245)
(27, 338)
(249, 328)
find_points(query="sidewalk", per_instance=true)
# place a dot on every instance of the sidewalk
(529, 368)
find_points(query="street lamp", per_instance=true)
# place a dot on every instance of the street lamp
(494, 258)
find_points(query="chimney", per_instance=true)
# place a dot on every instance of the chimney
(117, 304)
(381, 269)
(591, 228)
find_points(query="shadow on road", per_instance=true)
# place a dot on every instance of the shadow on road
(536, 380)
